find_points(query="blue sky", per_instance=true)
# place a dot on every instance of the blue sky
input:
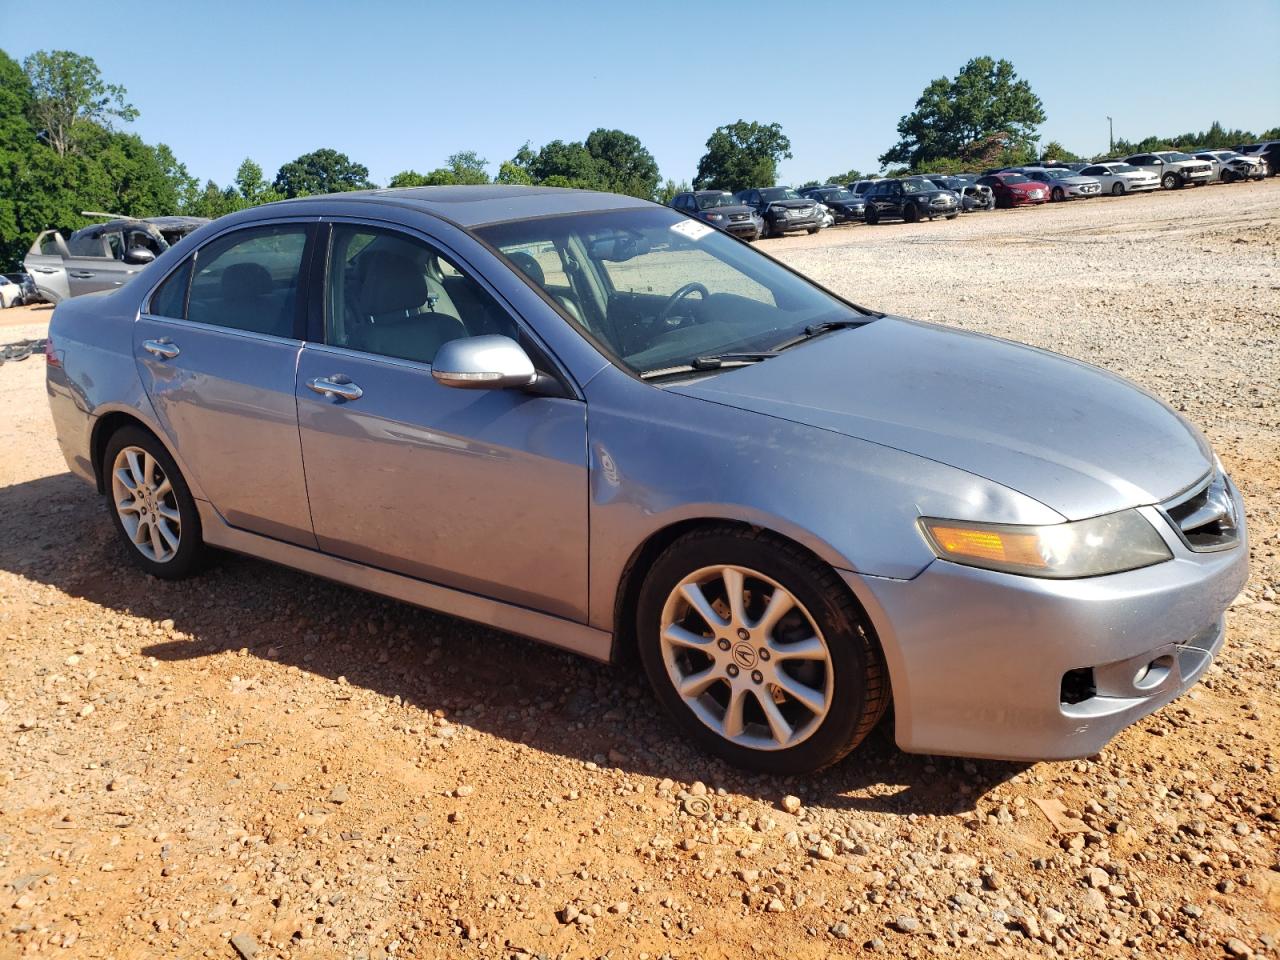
(398, 85)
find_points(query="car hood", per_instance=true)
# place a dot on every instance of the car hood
(1077, 438)
(1077, 181)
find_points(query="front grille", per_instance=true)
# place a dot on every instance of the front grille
(1205, 516)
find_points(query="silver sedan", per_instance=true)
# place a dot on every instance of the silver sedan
(1063, 183)
(608, 426)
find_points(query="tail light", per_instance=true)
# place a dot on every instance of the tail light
(50, 355)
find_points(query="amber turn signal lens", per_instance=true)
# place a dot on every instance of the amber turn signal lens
(1020, 548)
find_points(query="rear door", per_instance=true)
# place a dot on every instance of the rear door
(97, 261)
(46, 266)
(217, 349)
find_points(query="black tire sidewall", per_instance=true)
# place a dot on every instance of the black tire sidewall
(191, 544)
(847, 644)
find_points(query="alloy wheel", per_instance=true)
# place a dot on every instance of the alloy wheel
(146, 504)
(746, 657)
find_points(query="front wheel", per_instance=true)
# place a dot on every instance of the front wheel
(1057, 196)
(151, 506)
(910, 213)
(1171, 181)
(1117, 189)
(759, 652)
(872, 216)
(952, 216)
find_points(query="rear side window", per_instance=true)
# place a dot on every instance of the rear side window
(86, 246)
(249, 280)
(170, 298)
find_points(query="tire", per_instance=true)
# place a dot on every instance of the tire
(911, 213)
(952, 216)
(872, 216)
(1117, 189)
(1171, 181)
(1056, 195)
(812, 230)
(147, 544)
(841, 671)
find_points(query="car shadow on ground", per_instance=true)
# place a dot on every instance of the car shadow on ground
(55, 530)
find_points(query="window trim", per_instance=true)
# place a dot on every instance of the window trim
(544, 359)
(310, 231)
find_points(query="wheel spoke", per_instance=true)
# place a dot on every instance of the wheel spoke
(733, 724)
(169, 513)
(164, 489)
(778, 725)
(809, 649)
(166, 531)
(780, 604)
(678, 636)
(128, 505)
(125, 479)
(138, 533)
(135, 468)
(696, 684)
(734, 591)
(157, 545)
(809, 698)
(149, 465)
(693, 594)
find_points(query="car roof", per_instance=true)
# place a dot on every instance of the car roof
(472, 206)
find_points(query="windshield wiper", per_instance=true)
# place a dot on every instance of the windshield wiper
(715, 362)
(817, 329)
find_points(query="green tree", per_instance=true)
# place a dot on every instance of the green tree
(849, 176)
(252, 185)
(17, 137)
(955, 118)
(622, 163)
(512, 172)
(1053, 150)
(561, 164)
(741, 155)
(321, 171)
(68, 92)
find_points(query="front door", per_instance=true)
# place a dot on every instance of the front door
(479, 490)
(217, 346)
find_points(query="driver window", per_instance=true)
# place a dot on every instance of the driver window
(396, 296)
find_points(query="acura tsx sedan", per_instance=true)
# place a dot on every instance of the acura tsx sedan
(603, 424)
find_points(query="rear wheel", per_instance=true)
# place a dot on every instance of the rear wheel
(151, 506)
(759, 652)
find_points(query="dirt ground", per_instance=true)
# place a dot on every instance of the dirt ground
(257, 762)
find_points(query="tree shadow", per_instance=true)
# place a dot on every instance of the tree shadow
(55, 530)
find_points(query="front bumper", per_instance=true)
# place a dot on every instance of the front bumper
(986, 664)
(784, 224)
(1025, 199)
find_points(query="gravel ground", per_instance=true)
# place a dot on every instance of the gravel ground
(259, 762)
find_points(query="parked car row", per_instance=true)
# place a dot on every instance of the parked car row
(775, 211)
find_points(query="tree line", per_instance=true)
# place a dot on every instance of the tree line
(62, 152)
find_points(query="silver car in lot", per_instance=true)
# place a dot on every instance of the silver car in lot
(1227, 166)
(594, 421)
(1063, 183)
(1121, 178)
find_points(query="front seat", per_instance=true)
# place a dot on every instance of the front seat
(400, 310)
(532, 269)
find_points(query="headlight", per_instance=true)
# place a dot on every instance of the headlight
(1062, 551)
(715, 216)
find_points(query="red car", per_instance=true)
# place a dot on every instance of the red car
(1015, 190)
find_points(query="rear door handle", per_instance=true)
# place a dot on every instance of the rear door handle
(336, 386)
(160, 348)
(82, 274)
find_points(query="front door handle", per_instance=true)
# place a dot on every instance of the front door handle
(160, 348)
(336, 386)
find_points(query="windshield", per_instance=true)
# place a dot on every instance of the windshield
(773, 194)
(1014, 178)
(709, 200)
(836, 195)
(918, 186)
(1175, 157)
(658, 290)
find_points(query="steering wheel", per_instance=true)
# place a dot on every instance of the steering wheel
(675, 298)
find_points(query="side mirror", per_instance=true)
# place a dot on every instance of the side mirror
(138, 256)
(483, 363)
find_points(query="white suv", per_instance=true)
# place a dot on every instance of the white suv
(1174, 168)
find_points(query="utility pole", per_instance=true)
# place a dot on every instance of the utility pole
(1111, 136)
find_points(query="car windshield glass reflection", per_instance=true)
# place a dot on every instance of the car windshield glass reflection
(774, 194)
(716, 200)
(1015, 178)
(917, 186)
(659, 291)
